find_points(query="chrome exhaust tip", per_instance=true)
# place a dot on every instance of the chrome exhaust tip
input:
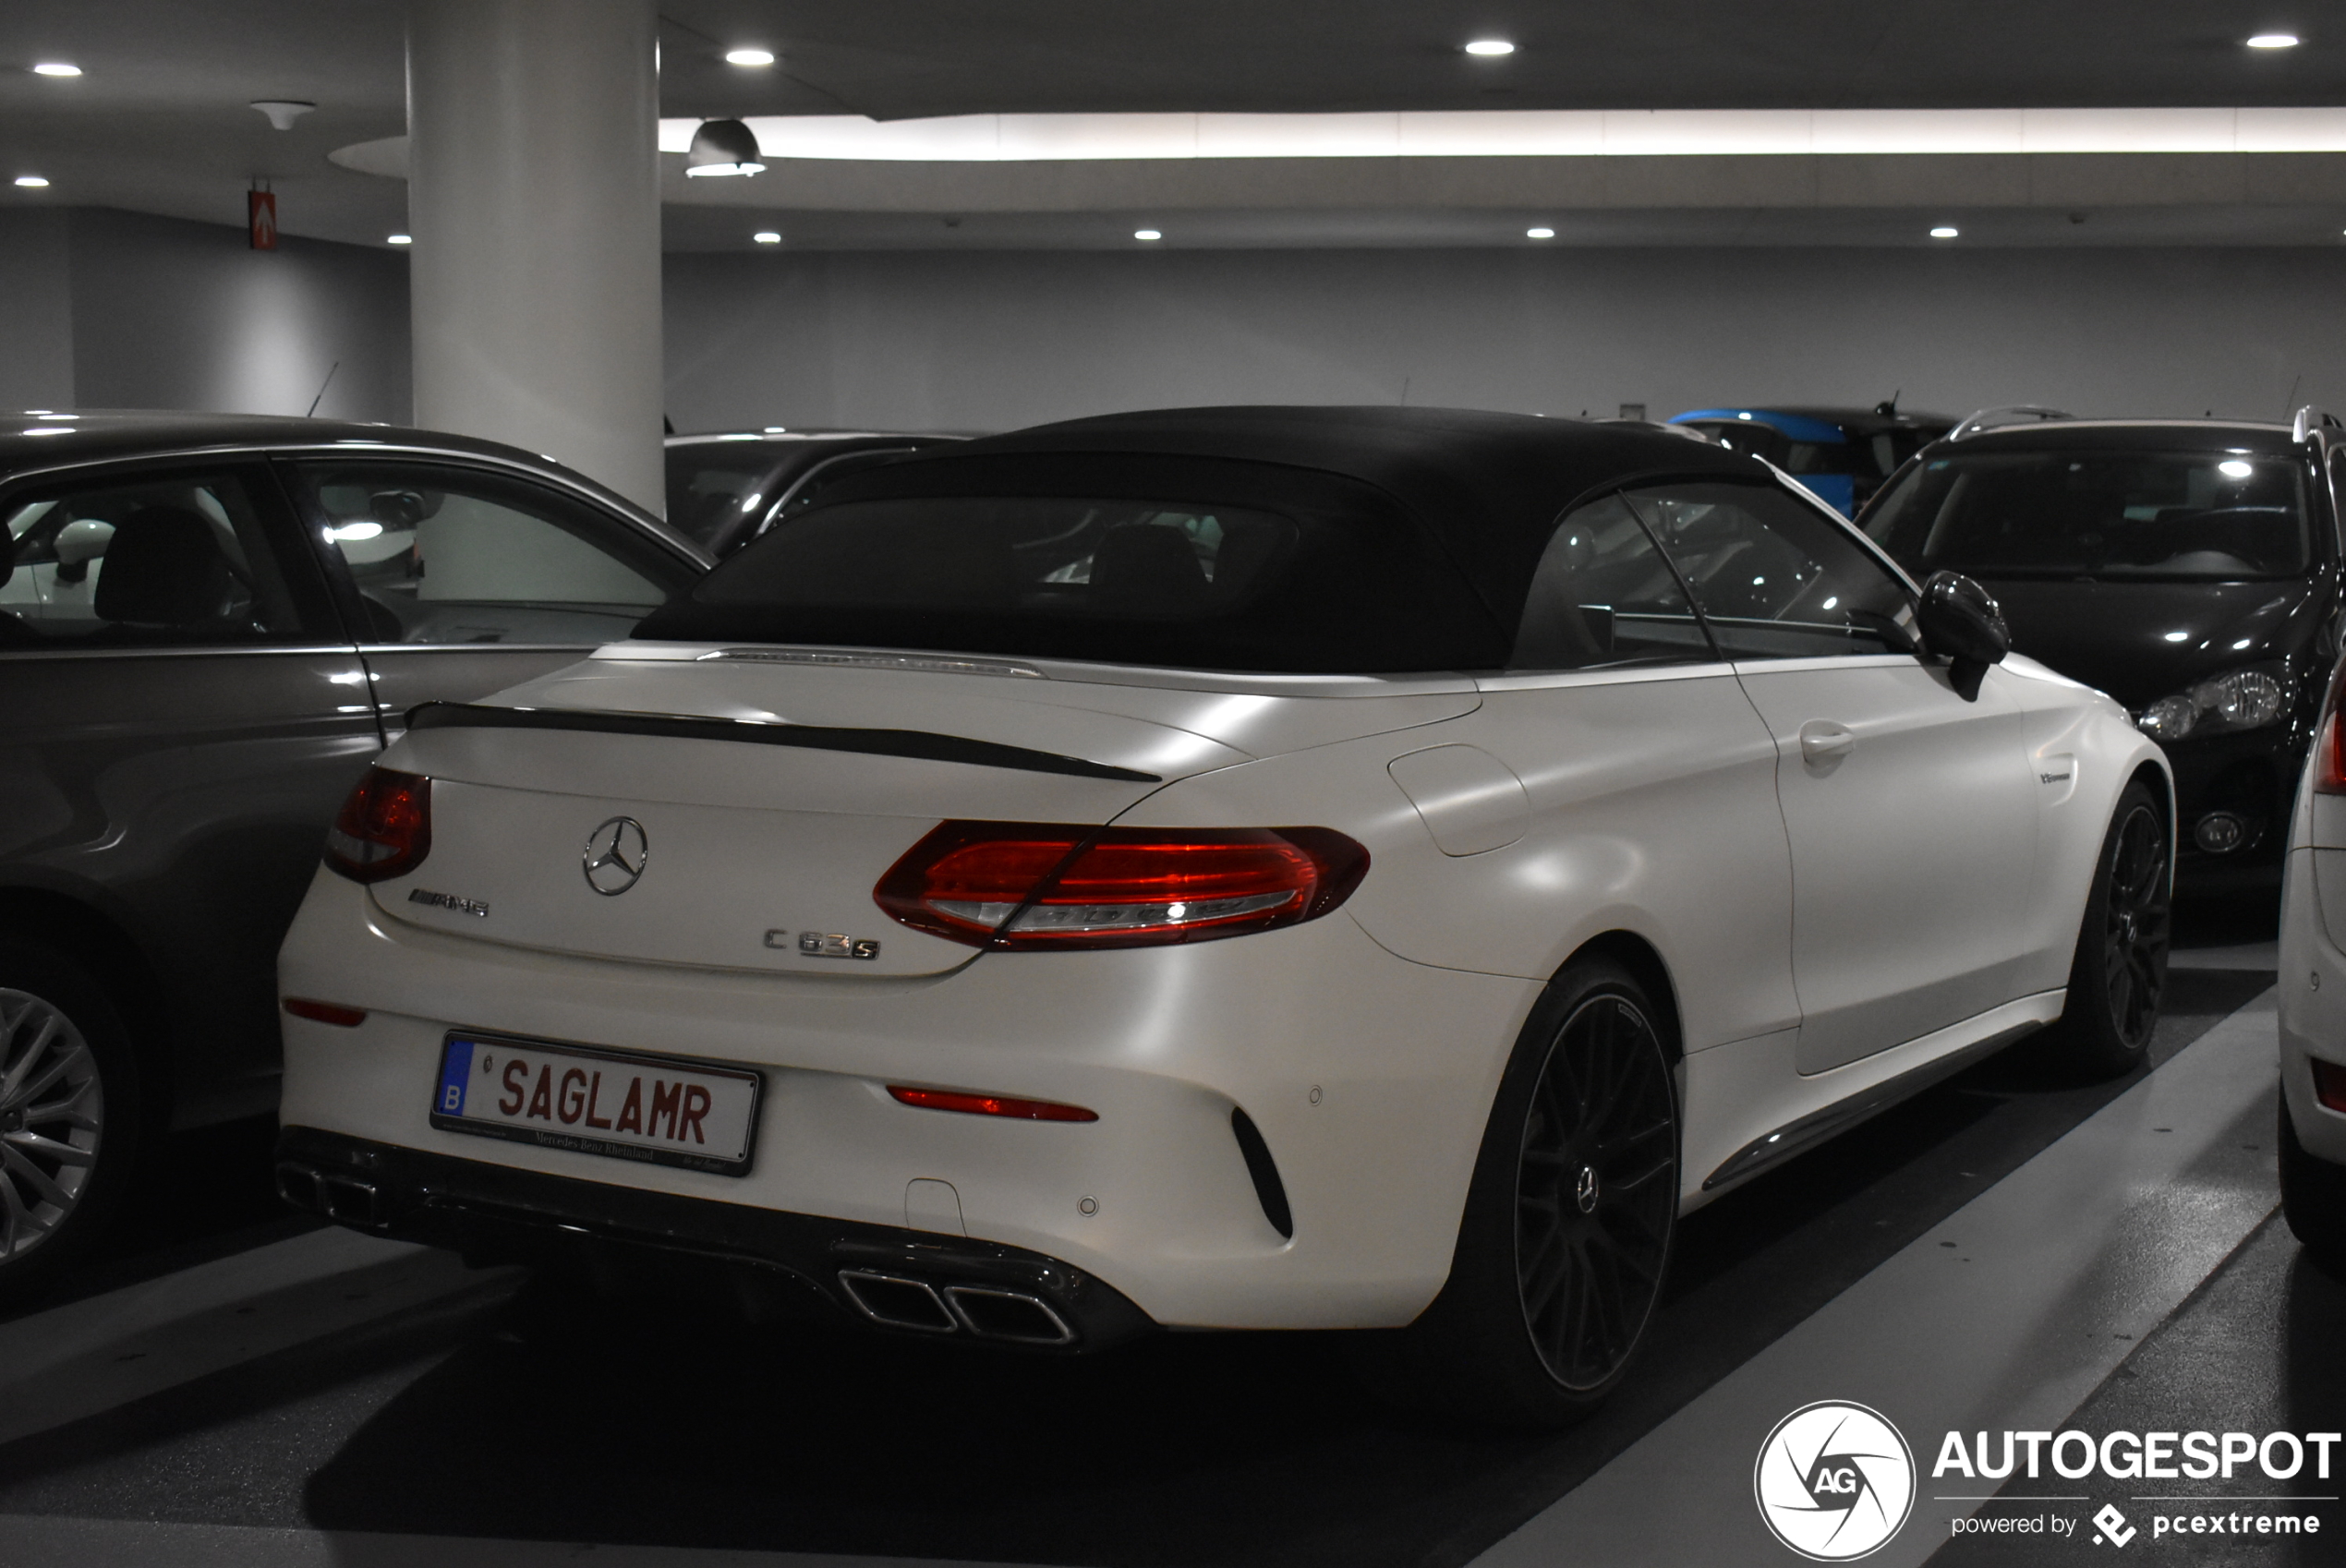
(1008, 1315)
(898, 1302)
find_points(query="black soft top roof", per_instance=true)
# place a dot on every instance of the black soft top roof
(1488, 486)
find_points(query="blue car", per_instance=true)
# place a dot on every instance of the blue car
(1843, 454)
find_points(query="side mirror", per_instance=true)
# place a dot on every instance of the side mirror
(77, 544)
(1962, 620)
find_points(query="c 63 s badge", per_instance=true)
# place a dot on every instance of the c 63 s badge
(825, 945)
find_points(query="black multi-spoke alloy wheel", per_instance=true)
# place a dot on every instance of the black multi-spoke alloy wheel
(1569, 1220)
(2313, 1197)
(2119, 972)
(70, 1112)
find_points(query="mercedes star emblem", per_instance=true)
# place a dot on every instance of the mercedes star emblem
(615, 856)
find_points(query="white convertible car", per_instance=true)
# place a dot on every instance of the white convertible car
(1231, 868)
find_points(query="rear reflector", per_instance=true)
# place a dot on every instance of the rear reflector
(2329, 1084)
(384, 828)
(991, 1106)
(1028, 886)
(326, 1012)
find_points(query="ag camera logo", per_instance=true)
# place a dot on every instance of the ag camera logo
(1835, 1481)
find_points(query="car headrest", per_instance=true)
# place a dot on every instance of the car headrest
(164, 568)
(1147, 570)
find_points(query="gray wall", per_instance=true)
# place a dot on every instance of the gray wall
(36, 312)
(107, 310)
(172, 314)
(993, 341)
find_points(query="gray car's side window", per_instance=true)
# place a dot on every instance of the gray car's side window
(147, 558)
(446, 554)
(1773, 578)
(1604, 596)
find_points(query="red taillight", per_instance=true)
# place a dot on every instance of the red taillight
(384, 829)
(2329, 756)
(2330, 1083)
(325, 1012)
(1019, 885)
(991, 1106)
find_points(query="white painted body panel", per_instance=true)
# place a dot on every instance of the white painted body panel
(2313, 963)
(1912, 815)
(1542, 813)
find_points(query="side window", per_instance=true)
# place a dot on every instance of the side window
(443, 554)
(1604, 596)
(145, 560)
(1772, 578)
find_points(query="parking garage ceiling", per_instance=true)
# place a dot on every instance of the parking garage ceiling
(160, 121)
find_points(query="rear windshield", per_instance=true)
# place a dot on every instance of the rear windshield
(1185, 583)
(2115, 515)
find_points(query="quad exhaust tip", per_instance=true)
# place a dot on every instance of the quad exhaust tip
(986, 1311)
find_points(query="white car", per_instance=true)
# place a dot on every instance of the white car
(1249, 868)
(2312, 996)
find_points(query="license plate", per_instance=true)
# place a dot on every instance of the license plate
(649, 1109)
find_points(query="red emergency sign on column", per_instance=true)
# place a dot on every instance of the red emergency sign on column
(260, 210)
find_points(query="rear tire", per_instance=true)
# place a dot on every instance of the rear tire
(2118, 974)
(1568, 1221)
(2313, 1197)
(70, 1112)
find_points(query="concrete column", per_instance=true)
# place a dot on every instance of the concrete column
(533, 192)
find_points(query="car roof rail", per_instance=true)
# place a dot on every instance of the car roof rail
(2003, 413)
(2312, 418)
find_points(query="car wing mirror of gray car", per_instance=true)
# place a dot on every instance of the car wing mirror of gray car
(1961, 621)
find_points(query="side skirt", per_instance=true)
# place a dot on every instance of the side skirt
(1959, 1045)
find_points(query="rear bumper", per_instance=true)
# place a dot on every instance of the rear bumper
(1368, 1078)
(913, 1280)
(2312, 1006)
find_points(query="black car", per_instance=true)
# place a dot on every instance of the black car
(2189, 568)
(208, 627)
(727, 487)
(1843, 454)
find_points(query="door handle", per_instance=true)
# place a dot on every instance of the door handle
(1823, 742)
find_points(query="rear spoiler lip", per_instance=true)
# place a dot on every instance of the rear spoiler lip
(918, 743)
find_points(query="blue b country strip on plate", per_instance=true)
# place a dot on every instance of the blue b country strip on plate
(653, 1110)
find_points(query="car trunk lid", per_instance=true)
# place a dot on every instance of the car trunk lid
(737, 812)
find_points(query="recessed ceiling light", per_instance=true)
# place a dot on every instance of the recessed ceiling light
(31, 182)
(399, 239)
(55, 69)
(749, 56)
(1490, 46)
(2273, 40)
(777, 430)
(68, 417)
(1147, 234)
(1539, 233)
(1945, 231)
(767, 236)
(50, 430)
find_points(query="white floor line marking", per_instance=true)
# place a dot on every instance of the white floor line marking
(2008, 1314)
(88, 1357)
(31, 1539)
